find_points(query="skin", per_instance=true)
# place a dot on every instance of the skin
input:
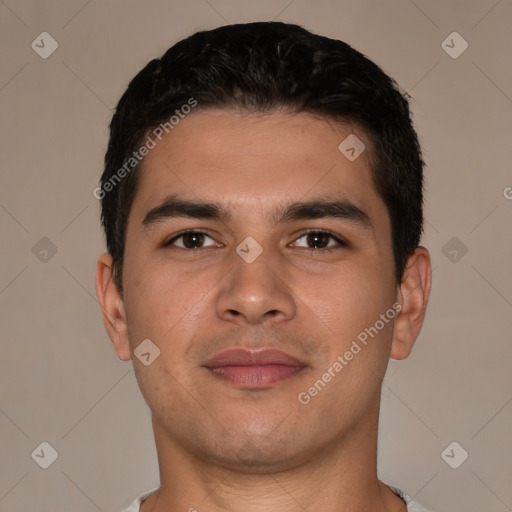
(221, 448)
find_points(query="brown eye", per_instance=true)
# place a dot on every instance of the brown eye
(319, 240)
(191, 240)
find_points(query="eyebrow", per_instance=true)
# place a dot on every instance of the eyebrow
(174, 207)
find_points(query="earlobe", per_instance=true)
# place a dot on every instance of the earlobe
(414, 291)
(112, 307)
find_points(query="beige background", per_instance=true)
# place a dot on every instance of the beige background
(60, 381)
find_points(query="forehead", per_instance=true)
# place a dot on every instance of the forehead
(257, 161)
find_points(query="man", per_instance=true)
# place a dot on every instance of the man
(262, 203)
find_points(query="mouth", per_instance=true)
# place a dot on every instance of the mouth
(253, 369)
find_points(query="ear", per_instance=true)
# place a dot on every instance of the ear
(413, 291)
(112, 307)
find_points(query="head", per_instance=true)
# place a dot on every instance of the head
(258, 68)
(241, 127)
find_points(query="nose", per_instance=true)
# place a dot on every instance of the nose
(256, 292)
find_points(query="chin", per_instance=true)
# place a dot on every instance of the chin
(259, 454)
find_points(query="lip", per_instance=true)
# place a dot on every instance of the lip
(253, 369)
(245, 357)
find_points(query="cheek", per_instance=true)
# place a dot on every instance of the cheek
(347, 298)
(162, 388)
(162, 301)
(347, 308)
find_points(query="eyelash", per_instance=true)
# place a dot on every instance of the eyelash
(340, 242)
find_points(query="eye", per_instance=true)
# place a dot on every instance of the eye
(191, 240)
(313, 240)
(320, 240)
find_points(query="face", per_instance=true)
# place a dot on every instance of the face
(256, 255)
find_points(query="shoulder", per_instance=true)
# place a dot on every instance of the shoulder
(135, 506)
(412, 506)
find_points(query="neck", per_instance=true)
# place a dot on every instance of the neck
(340, 477)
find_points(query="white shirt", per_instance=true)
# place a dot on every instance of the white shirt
(412, 506)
